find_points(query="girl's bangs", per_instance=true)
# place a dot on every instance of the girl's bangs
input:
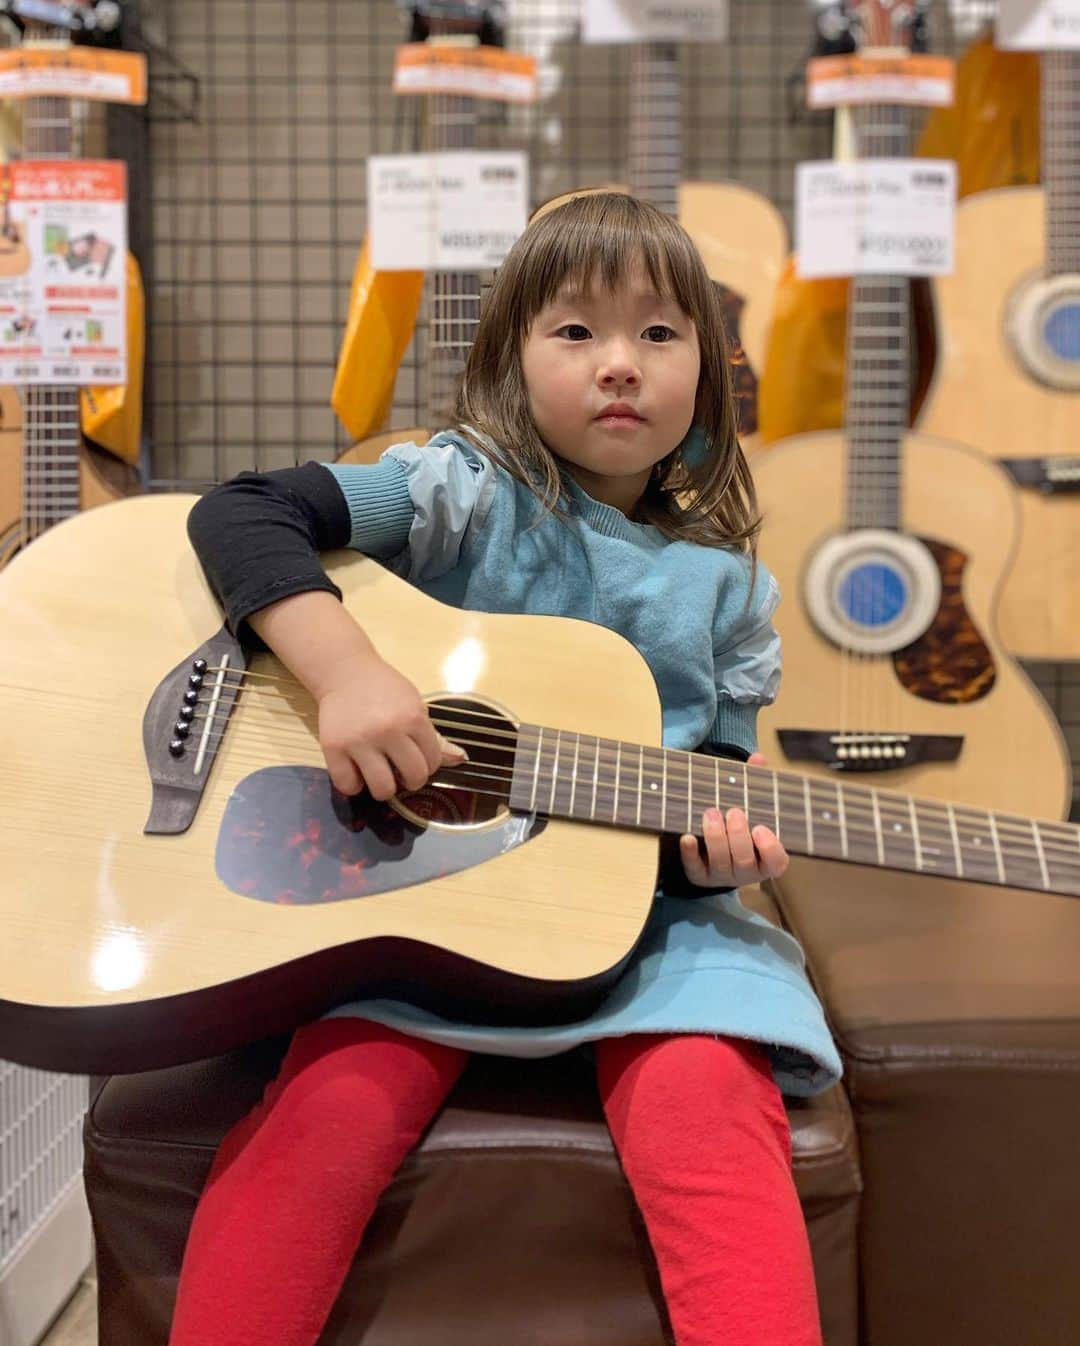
(611, 242)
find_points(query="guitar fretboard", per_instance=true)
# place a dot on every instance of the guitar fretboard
(454, 296)
(599, 780)
(1061, 159)
(878, 361)
(52, 435)
(656, 125)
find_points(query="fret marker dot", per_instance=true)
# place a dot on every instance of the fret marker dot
(897, 827)
(826, 815)
(653, 785)
(977, 841)
(731, 780)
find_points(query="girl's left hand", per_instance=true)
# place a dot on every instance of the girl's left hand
(735, 855)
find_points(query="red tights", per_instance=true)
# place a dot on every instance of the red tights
(698, 1123)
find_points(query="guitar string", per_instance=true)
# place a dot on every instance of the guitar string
(875, 839)
(887, 798)
(898, 804)
(929, 830)
(874, 842)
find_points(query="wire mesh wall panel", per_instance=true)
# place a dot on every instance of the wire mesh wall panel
(259, 208)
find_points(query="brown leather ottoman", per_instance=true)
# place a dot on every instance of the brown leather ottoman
(511, 1222)
(957, 1011)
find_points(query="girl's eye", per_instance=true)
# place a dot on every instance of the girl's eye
(659, 332)
(574, 331)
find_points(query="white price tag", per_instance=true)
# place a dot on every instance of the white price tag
(1038, 25)
(459, 211)
(654, 20)
(875, 216)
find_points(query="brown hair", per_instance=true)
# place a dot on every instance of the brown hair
(708, 499)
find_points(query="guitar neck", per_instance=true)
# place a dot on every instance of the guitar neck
(878, 359)
(51, 441)
(453, 296)
(600, 780)
(52, 435)
(656, 125)
(1061, 159)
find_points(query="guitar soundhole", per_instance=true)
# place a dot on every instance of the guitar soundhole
(873, 594)
(477, 793)
(288, 837)
(1062, 332)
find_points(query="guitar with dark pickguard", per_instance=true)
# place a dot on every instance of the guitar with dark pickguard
(48, 469)
(890, 547)
(1008, 374)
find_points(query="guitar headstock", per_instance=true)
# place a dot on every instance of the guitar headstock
(856, 25)
(482, 19)
(77, 17)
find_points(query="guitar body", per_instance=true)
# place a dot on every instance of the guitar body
(984, 393)
(958, 678)
(124, 951)
(743, 241)
(371, 448)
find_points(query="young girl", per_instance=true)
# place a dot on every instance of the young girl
(594, 473)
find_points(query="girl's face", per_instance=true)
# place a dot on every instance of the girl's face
(612, 381)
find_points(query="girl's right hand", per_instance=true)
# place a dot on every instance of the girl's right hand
(375, 730)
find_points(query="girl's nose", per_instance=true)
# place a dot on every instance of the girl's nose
(618, 368)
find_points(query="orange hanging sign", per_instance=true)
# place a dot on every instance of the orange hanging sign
(837, 81)
(473, 71)
(73, 72)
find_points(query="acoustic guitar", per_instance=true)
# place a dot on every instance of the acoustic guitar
(48, 471)
(1008, 371)
(180, 878)
(891, 548)
(740, 234)
(452, 297)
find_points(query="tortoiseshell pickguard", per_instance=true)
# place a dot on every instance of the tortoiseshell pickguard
(950, 661)
(743, 377)
(288, 837)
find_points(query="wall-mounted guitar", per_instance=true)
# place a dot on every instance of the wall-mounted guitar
(1008, 371)
(452, 298)
(890, 548)
(740, 234)
(47, 470)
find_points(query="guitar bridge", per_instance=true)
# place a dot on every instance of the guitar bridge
(183, 726)
(1052, 476)
(867, 751)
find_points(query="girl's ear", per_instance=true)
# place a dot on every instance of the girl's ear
(694, 448)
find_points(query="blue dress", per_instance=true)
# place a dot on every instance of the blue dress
(461, 529)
